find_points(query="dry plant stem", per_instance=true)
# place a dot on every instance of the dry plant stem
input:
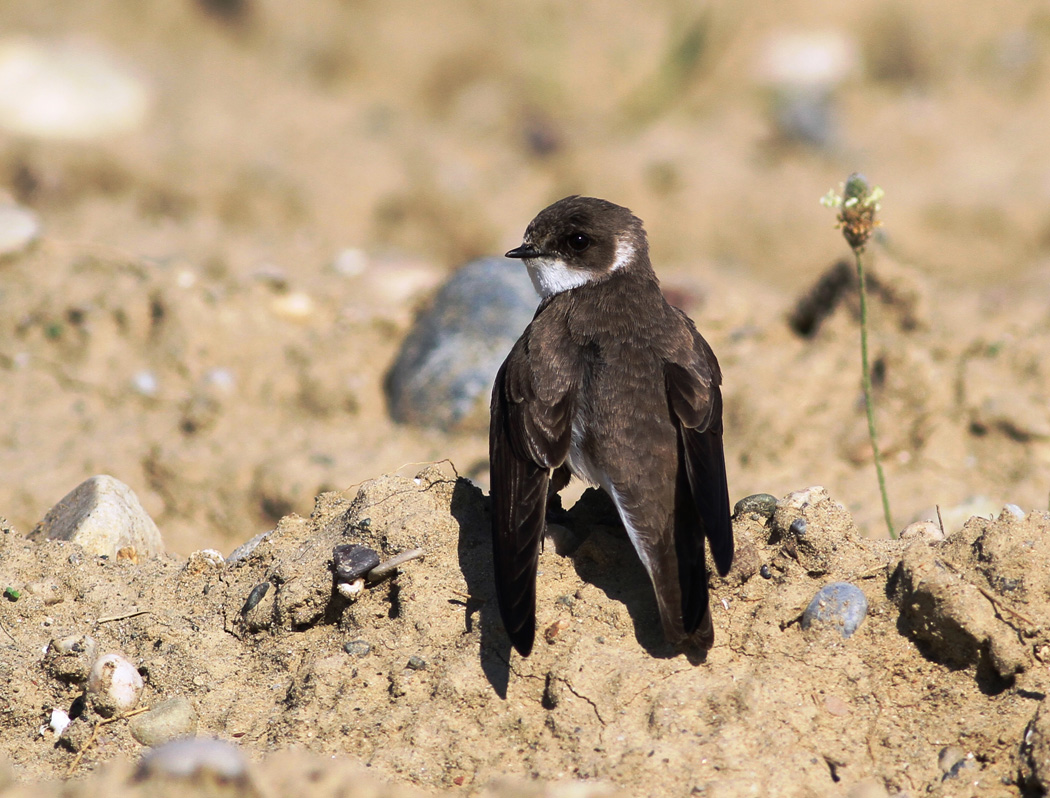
(123, 616)
(868, 403)
(94, 734)
(384, 569)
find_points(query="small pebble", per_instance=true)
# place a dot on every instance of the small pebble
(839, 605)
(351, 590)
(221, 379)
(203, 560)
(145, 383)
(350, 262)
(351, 561)
(357, 648)
(245, 549)
(165, 722)
(760, 504)
(1012, 510)
(254, 597)
(551, 633)
(19, 228)
(114, 685)
(417, 663)
(922, 530)
(798, 527)
(836, 706)
(295, 306)
(59, 721)
(198, 761)
(71, 644)
(949, 758)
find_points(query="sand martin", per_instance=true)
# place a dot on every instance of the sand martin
(611, 384)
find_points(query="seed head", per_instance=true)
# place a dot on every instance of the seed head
(857, 208)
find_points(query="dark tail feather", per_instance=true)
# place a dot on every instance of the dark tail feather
(689, 546)
(705, 468)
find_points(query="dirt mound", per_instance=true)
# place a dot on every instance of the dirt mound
(413, 677)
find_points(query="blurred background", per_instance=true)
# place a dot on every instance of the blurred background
(221, 216)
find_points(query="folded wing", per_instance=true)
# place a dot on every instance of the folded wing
(529, 435)
(702, 496)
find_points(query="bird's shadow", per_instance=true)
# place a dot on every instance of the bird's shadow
(603, 556)
(471, 509)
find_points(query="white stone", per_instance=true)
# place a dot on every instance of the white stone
(103, 515)
(19, 227)
(59, 721)
(114, 685)
(814, 59)
(66, 90)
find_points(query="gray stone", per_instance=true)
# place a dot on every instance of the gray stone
(760, 504)
(245, 549)
(102, 515)
(447, 363)
(839, 606)
(167, 721)
(801, 73)
(357, 648)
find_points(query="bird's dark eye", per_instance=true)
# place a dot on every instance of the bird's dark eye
(578, 242)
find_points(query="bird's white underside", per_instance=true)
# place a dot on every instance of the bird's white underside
(553, 275)
(582, 467)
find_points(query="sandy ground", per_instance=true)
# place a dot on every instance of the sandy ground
(218, 294)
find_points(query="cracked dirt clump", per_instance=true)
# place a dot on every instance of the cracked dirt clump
(414, 677)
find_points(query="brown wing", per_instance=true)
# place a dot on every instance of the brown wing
(702, 496)
(529, 434)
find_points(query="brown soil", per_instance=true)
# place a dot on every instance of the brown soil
(285, 134)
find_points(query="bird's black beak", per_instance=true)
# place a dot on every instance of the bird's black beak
(524, 251)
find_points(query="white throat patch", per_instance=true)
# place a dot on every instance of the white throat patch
(624, 254)
(552, 276)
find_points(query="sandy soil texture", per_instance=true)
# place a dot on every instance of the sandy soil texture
(936, 693)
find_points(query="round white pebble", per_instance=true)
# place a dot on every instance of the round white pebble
(19, 227)
(56, 90)
(114, 685)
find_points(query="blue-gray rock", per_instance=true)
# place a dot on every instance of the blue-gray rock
(805, 115)
(840, 606)
(245, 549)
(444, 371)
(357, 648)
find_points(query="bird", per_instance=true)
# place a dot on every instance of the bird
(613, 385)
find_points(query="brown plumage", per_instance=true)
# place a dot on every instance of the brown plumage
(616, 384)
